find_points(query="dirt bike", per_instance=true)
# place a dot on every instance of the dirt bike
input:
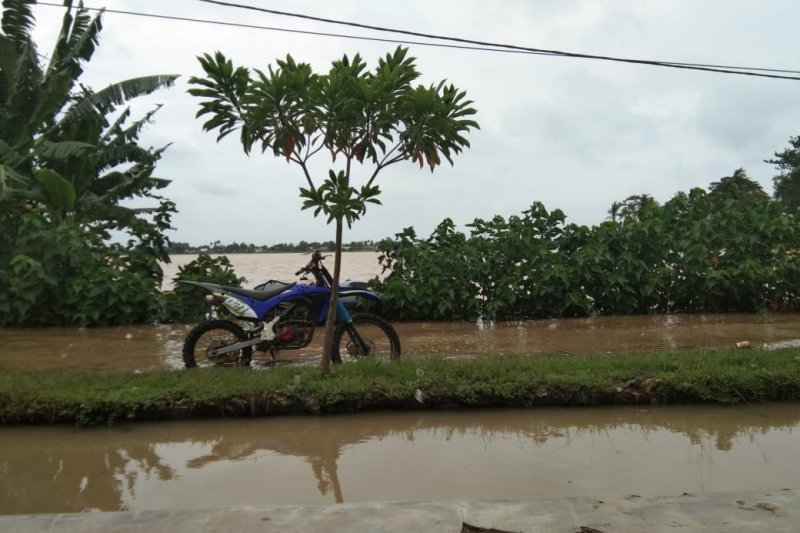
(277, 316)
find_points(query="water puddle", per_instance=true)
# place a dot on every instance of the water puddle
(509, 454)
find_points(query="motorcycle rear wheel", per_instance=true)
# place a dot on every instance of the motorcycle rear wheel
(215, 334)
(379, 336)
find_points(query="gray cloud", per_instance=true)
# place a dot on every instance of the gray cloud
(574, 134)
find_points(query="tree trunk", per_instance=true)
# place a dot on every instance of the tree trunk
(330, 322)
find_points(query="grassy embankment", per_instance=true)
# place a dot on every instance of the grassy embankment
(728, 376)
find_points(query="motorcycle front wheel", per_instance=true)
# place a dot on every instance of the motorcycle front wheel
(368, 336)
(214, 334)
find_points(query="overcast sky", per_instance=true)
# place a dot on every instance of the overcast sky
(574, 134)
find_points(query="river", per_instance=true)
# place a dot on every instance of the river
(258, 268)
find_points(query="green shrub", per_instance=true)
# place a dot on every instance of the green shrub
(186, 303)
(700, 252)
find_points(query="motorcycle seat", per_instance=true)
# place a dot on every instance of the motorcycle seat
(261, 295)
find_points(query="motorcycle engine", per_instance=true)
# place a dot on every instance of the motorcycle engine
(295, 329)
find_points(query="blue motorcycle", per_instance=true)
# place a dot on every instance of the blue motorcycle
(277, 316)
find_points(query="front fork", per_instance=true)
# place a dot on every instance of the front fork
(343, 317)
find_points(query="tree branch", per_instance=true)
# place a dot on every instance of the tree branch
(308, 176)
(385, 163)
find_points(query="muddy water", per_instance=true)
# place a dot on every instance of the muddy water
(149, 348)
(257, 268)
(514, 454)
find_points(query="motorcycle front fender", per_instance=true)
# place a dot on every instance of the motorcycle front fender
(349, 297)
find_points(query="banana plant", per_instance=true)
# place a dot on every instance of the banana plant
(58, 147)
(69, 157)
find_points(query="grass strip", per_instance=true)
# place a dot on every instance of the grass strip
(727, 376)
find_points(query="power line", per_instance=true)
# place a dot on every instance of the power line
(744, 71)
(290, 30)
(468, 44)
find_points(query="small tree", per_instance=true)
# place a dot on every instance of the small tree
(376, 118)
(739, 188)
(631, 207)
(787, 183)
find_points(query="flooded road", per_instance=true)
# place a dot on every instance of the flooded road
(149, 348)
(508, 454)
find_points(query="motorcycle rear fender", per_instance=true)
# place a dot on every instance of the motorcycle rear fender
(238, 306)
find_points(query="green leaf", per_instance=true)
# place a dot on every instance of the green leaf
(106, 100)
(63, 149)
(59, 190)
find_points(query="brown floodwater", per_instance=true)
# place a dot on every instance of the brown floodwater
(257, 268)
(410, 456)
(154, 347)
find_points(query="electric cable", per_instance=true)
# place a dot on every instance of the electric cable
(466, 44)
(746, 71)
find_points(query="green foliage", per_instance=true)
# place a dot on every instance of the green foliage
(429, 278)
(504, 269)
(57, 141)
(52, 277)
(338, 200)
(787, 183)
(66, 168)
(737, 187)
(186, 303)
(729, 250)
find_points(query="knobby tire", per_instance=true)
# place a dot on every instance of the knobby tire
(377, 332)
(197, 333)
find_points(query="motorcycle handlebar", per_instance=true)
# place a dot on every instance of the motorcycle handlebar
(316, 257)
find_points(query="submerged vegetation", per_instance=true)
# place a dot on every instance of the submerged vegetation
(728, 376)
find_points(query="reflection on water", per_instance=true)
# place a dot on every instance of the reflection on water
(510, 454)
(148, 348)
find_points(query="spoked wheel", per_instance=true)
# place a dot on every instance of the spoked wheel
(214, 334)
(369, 336)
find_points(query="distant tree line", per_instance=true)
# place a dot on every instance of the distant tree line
(218, 247)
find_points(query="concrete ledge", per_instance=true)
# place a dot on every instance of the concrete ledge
(774, 511)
